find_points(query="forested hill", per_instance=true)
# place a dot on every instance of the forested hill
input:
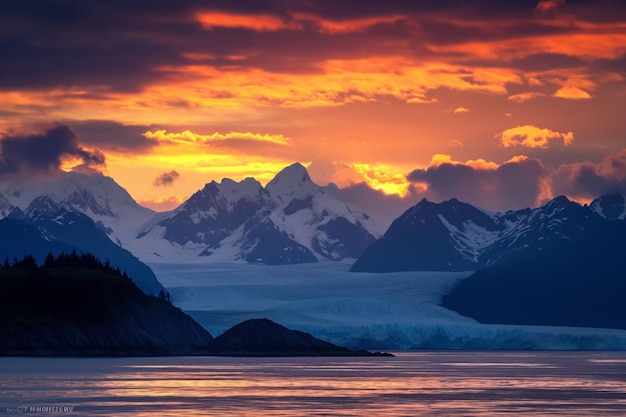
(74, 304)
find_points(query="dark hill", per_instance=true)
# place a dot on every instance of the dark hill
(263, 337)
(75, 305)
(89, 312)
(581, 283)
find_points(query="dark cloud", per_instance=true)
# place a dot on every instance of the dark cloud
(166, 178)
(588, 180)
(522, 182)
(124, 46)
(382, 207)
(113, 136)
(44, 153)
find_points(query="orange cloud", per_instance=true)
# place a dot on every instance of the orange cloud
(532, 137)
(573, 93)
(335, 27)
(461, 109)
(190, 137)
(259, 23)
(440, 159)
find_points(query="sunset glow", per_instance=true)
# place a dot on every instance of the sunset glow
(403, 97)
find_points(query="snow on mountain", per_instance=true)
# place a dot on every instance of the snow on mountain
(46, 227)
(457, 236)
(88, 213)
(5, 206)
(291, 220)
(97, 196)
(610, 206)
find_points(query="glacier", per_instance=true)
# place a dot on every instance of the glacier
(392, 311)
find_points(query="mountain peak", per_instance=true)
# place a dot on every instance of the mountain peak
(289, 180)
(611, 206)
(561, 199)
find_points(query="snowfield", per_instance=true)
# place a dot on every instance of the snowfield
(359, 310)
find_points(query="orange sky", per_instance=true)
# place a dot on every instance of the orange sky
(501, 104)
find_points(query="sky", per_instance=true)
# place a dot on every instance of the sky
(503, 104)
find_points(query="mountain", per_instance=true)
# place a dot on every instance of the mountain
(56, 230)
(578, 283)
(610, 206)
(45, 227)
(74, 211)
(456, 236)
(79, 310)
(97, 196)
(291, 220)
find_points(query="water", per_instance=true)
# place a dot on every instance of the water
(410, 384)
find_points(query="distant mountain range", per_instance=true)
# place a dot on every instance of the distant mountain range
(456, 236)
(291, 220)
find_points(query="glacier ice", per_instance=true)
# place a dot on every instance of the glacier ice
(359, 310)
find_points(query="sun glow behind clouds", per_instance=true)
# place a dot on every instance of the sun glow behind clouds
(385, 178)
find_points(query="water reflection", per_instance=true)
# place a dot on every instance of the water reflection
(413, 383)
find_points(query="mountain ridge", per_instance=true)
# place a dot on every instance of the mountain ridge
(457, 236)
(290, 220)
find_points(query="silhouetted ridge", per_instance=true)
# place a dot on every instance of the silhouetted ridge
(77, 305)
(578, 283)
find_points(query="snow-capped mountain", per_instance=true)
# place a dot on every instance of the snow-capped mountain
(457, 236)
(576, 283)
(89, 213)
(46, 227)
(610, 206)
(97, 196)
(291, 220)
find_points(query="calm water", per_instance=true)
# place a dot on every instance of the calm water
(411, 384)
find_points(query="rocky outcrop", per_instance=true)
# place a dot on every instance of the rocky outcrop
(263, 337)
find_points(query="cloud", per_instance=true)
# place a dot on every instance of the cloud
(255, 22)
(549, 5)
(522, 97)
(324, 171)
(461, 110)
(573, 93)
(518, 182)
(214, 138)
(287, 53)
(166, 178)
(439, 159)
(384, 208)
(532, 137)
(113, 136)
(587, 180)
(45, 152)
